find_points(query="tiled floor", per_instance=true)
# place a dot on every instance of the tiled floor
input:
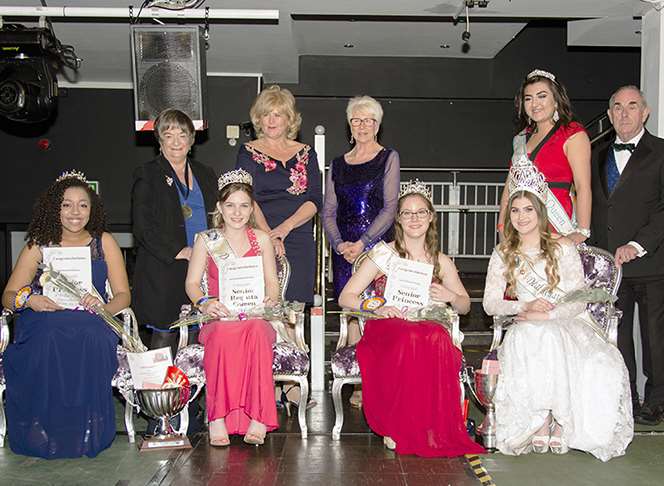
(359, 458)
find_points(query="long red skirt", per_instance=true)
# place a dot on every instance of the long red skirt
(410, 387)
(238, 373)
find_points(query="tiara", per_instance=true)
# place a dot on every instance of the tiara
(234, 176)
(72, 174)
(540, 72)
(524, 176)
(415, 187)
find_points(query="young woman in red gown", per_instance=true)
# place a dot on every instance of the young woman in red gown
(410, 369)
(238, 353)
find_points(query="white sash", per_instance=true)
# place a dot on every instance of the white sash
(381, 254)
(537, 285)
(555, 211)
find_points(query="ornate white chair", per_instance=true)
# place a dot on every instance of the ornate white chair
(600, 271)
(290, 362)
(4, 341)
(345, 368)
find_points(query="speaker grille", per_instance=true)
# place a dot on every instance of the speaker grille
(169, 71)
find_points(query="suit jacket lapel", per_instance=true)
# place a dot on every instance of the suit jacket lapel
(169, 174)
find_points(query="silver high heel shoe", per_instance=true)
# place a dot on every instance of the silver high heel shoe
(556, 443)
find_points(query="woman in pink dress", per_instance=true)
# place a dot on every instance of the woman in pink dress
(238, 353)
(410, 369)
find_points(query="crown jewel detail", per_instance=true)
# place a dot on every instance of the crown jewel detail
(524, 176)
(72, 174)
(542, 73)
(415, 187)
(233, 176)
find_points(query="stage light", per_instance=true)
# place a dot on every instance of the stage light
(28, 87)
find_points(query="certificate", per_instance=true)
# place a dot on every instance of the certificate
(408, 283)
(241, 284)
(148, 369)
(75, 263)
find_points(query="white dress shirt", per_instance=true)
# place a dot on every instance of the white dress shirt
(622, 158)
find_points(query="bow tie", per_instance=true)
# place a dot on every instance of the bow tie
(624, 146)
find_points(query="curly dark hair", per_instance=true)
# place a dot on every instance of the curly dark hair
(45, 227)
(559, 95)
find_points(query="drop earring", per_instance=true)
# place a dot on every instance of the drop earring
(556, 116)
(351, 140)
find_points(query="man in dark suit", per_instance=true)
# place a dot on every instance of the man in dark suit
(628, 220)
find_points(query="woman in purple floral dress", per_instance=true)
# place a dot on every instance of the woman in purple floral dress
(287, 185)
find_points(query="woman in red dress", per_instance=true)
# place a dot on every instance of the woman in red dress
(238, 353)
(410, 369)
(558, 146)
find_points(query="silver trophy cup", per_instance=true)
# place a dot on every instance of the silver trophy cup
(485, 388)
(162, 404)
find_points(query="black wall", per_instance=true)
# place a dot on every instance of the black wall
(438, 113)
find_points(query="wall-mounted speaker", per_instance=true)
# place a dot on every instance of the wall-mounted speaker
(168, 67)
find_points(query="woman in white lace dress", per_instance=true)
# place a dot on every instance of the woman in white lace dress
(561, 385)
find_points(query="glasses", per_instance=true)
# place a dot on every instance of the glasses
(367, 122)
(421, 214)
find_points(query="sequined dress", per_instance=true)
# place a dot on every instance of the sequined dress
(360, 204)
(58, 371)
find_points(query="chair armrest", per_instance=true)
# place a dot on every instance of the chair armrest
(500, 323)
(457, 335)
(299, 332)
(130, 325)
(343, 328)
(4, 329)
(183, 340)
(294, 337)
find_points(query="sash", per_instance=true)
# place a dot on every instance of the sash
(381, 254)
(536, 285)
(555, 211)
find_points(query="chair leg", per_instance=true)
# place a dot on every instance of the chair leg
(3, 420)
(302, 408)
(338, 408)
(129, 421)
(184, 421)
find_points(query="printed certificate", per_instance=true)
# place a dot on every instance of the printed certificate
(241, 284)
(408, 283)
(75, 263)
(148, 369)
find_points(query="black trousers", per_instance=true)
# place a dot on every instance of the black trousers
(648, 292)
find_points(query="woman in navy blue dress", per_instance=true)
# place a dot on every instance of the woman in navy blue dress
(60, 365)
(287, 186)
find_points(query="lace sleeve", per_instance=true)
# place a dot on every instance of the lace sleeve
(385, 217)
(494, 291)
(571, 278)
(329, 213)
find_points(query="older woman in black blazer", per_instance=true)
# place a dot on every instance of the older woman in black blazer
(172, 198)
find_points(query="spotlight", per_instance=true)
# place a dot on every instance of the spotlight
(28, 87)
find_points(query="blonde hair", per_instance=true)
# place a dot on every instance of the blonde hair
(224, 193)
(281, 100)
(364, 103)
(509, 248)
(431, 245)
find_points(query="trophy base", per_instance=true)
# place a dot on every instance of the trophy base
(165, 442)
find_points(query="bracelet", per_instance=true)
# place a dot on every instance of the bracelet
(202, 300)
(371, 304)
(583, 231)
(22, 296)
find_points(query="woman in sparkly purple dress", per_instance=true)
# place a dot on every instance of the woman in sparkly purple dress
(361, 196)
(361, 192)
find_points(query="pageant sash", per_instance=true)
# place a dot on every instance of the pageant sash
(555, 211)
(381, 254)
(217, 246)
(535, 284)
